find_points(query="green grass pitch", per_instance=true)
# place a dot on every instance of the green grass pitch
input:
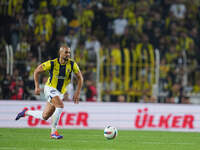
(38, 139)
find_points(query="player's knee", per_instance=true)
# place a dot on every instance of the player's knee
(45, 116)
(61, 105)
(57, 102)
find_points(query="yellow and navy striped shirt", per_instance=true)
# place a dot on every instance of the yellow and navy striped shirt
(59, 74)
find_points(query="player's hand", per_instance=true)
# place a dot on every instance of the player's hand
(76, 97)
(37, 91)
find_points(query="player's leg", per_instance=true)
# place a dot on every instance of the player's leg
(58, 104)
(44, 115)
(48, 111)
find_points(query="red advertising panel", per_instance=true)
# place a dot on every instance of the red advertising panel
(165, 117)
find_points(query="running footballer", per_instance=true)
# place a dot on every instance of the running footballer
(60, 72)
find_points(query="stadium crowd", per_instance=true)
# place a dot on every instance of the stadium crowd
(125, 33)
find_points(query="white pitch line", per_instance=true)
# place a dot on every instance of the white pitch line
(160, 143)
(8, 148)
(71, 149)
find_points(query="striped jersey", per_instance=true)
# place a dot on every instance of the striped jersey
(59, 74)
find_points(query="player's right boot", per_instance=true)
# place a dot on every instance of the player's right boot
(55, 135)
(21, 114)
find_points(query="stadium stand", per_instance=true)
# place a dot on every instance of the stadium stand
(124, 34)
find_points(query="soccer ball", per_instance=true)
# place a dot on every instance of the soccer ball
(110, 132)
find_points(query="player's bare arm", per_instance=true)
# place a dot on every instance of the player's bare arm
(37, 71)
(76, 96)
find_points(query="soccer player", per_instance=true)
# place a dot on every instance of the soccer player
(60, 71)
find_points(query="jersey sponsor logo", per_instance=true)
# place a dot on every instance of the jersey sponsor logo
(61, 77)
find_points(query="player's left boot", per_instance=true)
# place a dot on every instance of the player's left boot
(55, 135)
(21, 114)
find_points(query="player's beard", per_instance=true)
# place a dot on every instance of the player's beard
(65, 59)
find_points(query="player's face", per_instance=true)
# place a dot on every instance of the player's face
(65, 53)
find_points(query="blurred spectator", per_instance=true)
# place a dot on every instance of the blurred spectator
(121, 98)
(185, 100)
(86, 18)
(91, 93)
(5, 83)
(196, 87)
(43, 30)
(109, 87)
(32, 17)
(16, 88)
(42, 84)
(92, 45)
(14, 7)
(74, 24)
(175, 93)
(58, 4)
(60, 23)
(178, 9)
(23, 48)
(70, 92)
(31, 66)
(42, 50)
(85, 3)
(30, 6)
(119, 25)
(14, 35)
(71, 38)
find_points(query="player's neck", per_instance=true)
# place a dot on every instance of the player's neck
(62, 61)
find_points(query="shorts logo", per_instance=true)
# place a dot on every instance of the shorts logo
(53, 91)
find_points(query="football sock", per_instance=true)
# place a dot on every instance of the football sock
(55, 119)
(35, 113)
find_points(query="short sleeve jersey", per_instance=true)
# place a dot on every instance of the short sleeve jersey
(59, 74)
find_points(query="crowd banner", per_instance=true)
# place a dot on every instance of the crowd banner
(85, 115)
